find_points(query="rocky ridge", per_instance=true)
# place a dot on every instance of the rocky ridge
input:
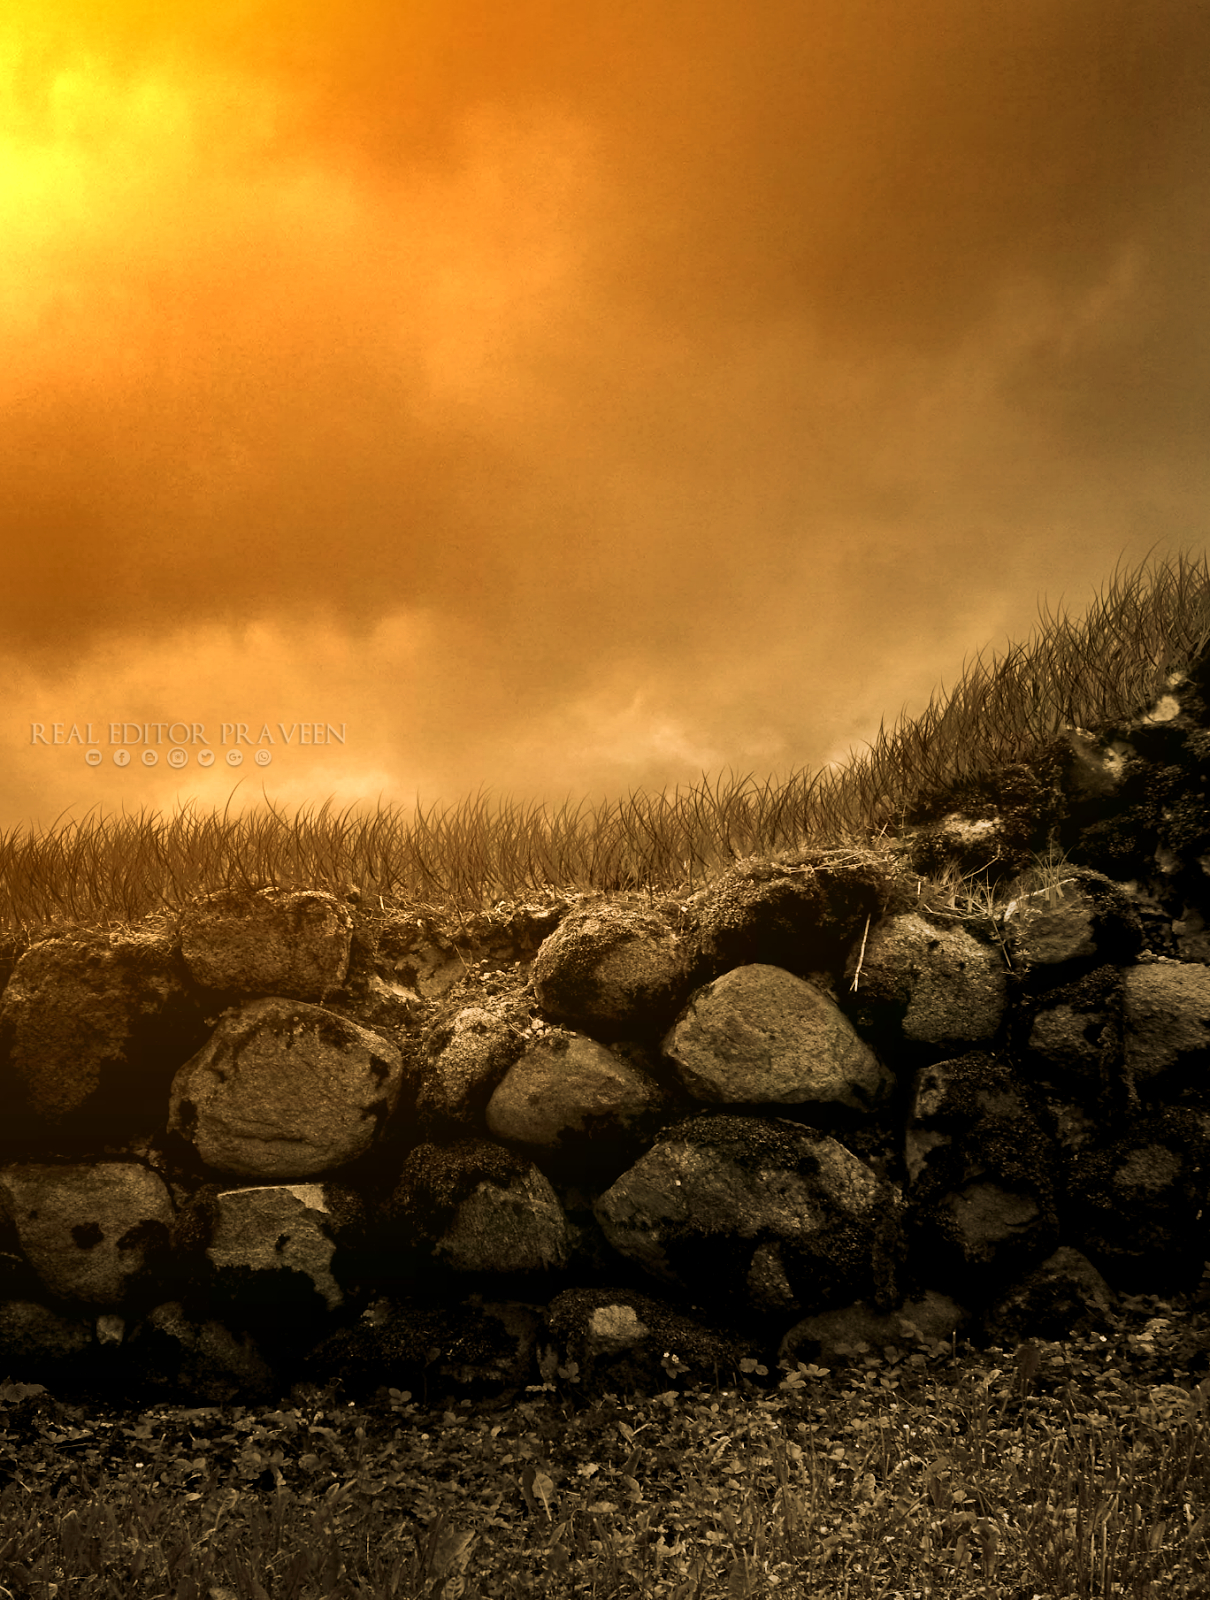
(620, 1139)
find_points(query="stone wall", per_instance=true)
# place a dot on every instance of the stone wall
(620, 1139)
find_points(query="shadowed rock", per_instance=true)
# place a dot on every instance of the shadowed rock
(756, 1213)
(90, 1232)
(92, 1027)
(928, 984)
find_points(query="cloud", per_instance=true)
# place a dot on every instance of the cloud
(574, 402)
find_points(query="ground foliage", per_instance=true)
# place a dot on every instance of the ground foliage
(1056, 1471)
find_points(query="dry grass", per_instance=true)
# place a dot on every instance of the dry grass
(1145, 626)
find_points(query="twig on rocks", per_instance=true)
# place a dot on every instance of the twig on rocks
(861, 955)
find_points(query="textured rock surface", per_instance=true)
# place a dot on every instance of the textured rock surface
(481, 1209)
(613, 970)
(177, 1354)
(1081, 921)
(760, 1034)
(466, 1059)
(92, 1026)
(935, 985)
(1167, 1030)
(277, 1229)
(569, 1096)
(801, 915)
(89, 1232)
(285, 1090)
(270, 942)
(769, 1214)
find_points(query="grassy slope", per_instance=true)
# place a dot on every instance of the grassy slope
(1145, 626)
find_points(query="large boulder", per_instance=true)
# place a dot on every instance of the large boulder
(802, 914)
(926, 984)
(756, 1215)
(572, 1101)
(93, 1233)
(1166, 1007)
(614, 970)
(274, 1244)
(1080, 921)
(269, 941)
(92, 1027)
(284, 1090)
(759, 1034)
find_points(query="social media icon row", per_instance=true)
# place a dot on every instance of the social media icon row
(179, 758)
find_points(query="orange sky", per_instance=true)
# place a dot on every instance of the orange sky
(565, 399)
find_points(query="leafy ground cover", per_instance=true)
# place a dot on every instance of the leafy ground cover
(1058, 1471)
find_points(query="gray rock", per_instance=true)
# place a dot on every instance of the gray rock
(756, 1213)
(801, 914)
(1166, 1009)
(613, 969)
(759, 1034)
(270, 941)
(931, 985)
(1083, 920)
(285, 1090)
(93, 1025)
(274, 1230)
(571, 1098)
(92, 1233)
